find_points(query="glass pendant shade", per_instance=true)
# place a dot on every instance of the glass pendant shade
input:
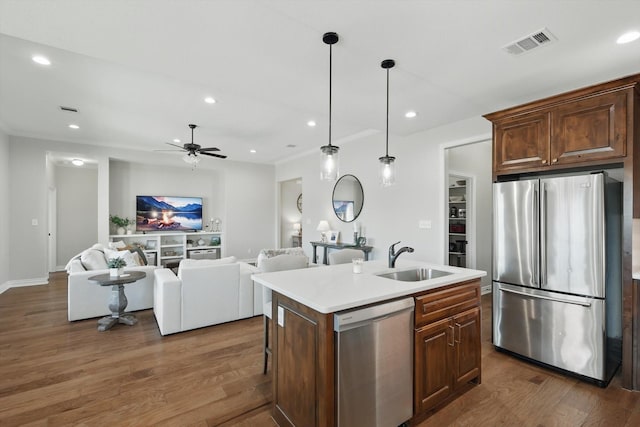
(387, 171)
(330, 163)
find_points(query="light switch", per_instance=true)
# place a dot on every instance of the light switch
(34, 222)
(424, 223)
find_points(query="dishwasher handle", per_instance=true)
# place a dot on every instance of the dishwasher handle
(350, 319)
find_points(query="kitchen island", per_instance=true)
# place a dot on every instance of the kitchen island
(446, 334)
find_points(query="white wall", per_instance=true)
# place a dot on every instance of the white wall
(289, 213)
(475, 160)
(77, 211)
(388, 214)
(4, 209)
(247, 189)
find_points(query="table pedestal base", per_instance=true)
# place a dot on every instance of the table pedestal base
(117, 304)
(108, 321)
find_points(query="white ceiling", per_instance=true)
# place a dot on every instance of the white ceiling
(138, 71)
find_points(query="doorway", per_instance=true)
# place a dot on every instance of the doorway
(290, 213)
(470, 163)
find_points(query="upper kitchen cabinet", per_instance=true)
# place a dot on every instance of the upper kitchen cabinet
(521, 142)
(590, 129)
(586, 127)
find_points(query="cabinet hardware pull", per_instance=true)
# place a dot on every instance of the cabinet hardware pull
(459, 326)
(544, 162)
(554, 161)
(452, 336)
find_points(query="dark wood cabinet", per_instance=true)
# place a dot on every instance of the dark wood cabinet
(590, 129)
(521, 142)
(303, 365)
(586, 130)
(447, 345)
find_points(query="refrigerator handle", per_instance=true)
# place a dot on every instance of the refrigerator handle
(584, 304)
(543, 234)
(536, 236)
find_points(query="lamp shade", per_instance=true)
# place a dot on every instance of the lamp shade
(323, 226)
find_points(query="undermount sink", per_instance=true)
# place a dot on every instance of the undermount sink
(414, 275)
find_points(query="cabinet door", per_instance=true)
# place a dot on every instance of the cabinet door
(590, 129)
(522, 142)
(433, 380)
(466, 363)
(296, 386)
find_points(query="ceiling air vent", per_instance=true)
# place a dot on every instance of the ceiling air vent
(69, 109)
(530, 42)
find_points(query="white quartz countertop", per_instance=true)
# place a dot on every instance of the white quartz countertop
(328, 289)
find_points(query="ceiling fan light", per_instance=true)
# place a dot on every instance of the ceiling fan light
(191, 158)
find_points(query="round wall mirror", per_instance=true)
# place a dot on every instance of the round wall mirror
(348, 198)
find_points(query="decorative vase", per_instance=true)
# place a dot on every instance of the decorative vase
(115, 272)
(121, 231)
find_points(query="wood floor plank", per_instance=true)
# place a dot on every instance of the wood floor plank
(58, 373)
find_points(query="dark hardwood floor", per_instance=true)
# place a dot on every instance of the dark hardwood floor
(54, 372)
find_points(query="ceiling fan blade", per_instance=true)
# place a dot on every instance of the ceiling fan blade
(174, 145)
(210, 149)
(222, 156)
(173, 151)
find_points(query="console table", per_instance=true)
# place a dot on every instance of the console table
(326, 246)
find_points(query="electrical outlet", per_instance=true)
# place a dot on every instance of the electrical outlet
(34, 222)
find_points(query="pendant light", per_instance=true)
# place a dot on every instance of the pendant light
(330, 160)
(387, 162)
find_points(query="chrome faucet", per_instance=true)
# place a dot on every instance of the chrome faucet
(393, 255)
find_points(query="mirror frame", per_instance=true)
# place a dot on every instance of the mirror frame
(355, 214)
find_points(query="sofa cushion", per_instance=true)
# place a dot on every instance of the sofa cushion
(203, 263)
(283, 262)
(270, 253)
(93, 259)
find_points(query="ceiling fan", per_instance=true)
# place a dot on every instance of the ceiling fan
(193, 150)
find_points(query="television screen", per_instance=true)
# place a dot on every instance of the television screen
(161, 213)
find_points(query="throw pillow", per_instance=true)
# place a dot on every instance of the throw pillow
(93, 259)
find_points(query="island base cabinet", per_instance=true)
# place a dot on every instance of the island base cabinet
(303, 365)
(447, 346)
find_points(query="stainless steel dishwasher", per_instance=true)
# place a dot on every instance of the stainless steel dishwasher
(374, 364)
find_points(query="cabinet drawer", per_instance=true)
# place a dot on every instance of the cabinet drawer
(446, 302)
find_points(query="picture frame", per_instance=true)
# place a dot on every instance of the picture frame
(334, 236)
(151, 244)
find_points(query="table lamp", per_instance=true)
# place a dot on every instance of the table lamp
(323, 227)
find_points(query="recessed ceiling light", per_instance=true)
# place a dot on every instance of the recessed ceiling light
(291, 145)
(410, 114)
(628, 37)
(72, 126)
(77, 162)
(209, 100)
(311, 123)
(252, 151)
(42, 60)
(176, 140)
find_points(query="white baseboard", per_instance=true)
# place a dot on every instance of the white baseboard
(23, 282)
(485, 290)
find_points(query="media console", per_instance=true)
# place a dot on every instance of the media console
(175, 246)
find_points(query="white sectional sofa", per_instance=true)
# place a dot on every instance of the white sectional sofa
(204, 293)
(87, 299)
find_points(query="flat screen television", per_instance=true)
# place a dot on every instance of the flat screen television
(163, 213)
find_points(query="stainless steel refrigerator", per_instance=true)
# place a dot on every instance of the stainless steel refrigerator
(557, 272)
